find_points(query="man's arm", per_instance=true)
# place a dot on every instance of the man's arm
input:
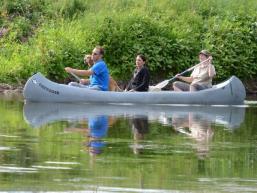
(79, 72)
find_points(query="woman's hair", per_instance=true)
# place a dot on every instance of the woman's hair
(142, 57)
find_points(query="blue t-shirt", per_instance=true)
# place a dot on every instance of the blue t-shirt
(100, 76)
(98, 126)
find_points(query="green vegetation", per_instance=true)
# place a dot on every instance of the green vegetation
(46, 36)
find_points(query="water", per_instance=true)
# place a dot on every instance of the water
(127, 148)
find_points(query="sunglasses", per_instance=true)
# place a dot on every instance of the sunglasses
(94, 53)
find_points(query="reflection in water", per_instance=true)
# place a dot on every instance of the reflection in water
(139, 129)
(98, 127)
(51, 154)
(94, 129)
(197, 128)
(38, 114)
(193, 121)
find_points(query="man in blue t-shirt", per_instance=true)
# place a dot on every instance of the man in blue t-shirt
(98, 73)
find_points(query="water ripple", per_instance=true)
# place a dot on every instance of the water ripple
(9, 169)
(52, 167)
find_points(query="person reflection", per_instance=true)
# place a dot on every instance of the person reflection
(197, 128)
(139, 129)
(98, 127)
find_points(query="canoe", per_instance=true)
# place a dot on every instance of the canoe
(40, 89)
(39, 114)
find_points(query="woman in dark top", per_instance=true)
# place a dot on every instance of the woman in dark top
(141, 76)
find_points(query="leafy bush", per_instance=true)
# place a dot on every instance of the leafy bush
(233, 43)
(52, 35)
(67, 8)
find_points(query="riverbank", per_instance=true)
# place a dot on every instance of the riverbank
(7, 88)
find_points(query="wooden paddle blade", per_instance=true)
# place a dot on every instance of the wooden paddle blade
(161, 84)
(154, 89)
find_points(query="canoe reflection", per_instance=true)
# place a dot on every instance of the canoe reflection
(194, 122)
(38, 114)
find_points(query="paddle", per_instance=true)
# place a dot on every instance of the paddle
(75, 76)
(165, 82)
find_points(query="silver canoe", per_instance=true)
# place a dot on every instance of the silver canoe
(40, 89)
(39, 114)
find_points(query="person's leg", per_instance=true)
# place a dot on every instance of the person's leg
(197, 87)
(180, 86)
(78, 85)
(95, 87)
(193, 87)
(73, 84)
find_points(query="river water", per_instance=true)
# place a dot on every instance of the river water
(127, 148)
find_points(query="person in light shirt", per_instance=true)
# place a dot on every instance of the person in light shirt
(201, 77)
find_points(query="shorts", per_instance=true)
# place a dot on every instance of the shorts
(186, 87)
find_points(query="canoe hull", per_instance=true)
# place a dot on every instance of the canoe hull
(40, 89)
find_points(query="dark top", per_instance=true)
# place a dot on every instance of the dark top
(141, 124)
(140, 80)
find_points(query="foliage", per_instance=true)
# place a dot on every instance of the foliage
(46, 36)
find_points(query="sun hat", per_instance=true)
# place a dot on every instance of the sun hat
(205, 52)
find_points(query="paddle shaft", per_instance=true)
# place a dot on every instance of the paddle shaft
(188, 70)
(75, 76)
